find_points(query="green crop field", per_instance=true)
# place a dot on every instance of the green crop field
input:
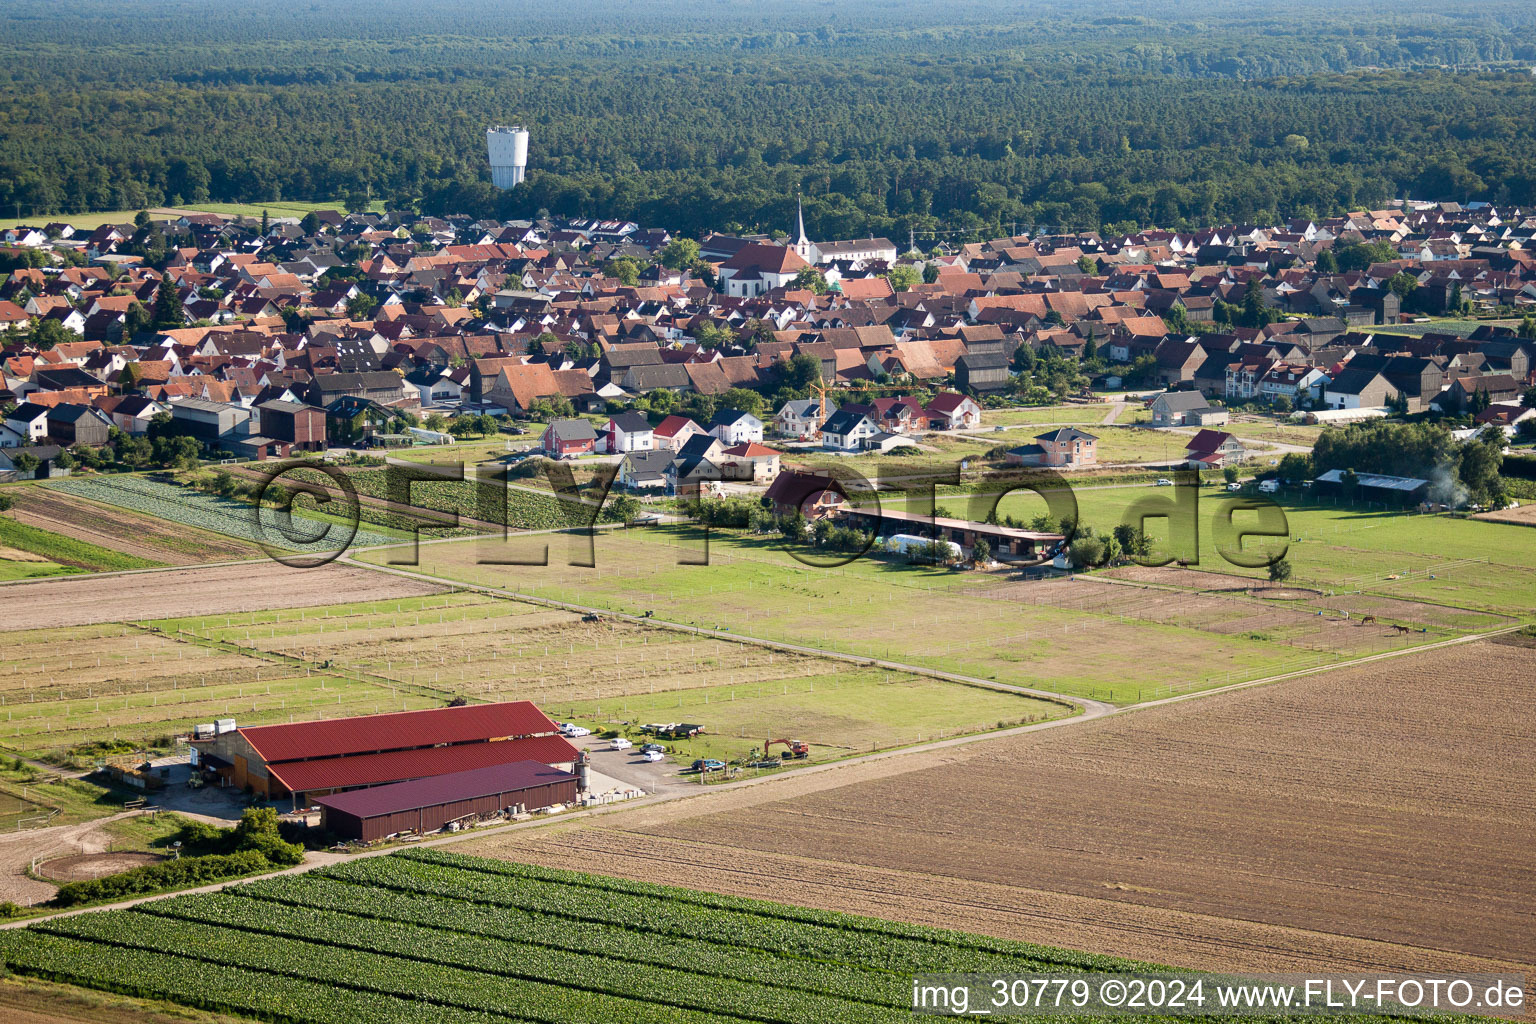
(434, 938)
(1059, 636)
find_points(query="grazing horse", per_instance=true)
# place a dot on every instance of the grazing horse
(1367, 620)
(1402, 629)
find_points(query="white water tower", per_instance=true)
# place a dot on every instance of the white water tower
(508, 150)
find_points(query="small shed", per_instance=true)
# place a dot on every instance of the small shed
(425, 805)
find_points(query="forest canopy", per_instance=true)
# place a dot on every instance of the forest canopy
(973, 116)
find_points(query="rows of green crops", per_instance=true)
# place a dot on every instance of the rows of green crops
(425, 936)
(429, 936)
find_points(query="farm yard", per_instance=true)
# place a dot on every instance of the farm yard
(610, 674)
(431, 937)
(1395, 795)
(1068, 637)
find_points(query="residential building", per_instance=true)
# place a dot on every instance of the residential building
(627, 432)
(569, 437)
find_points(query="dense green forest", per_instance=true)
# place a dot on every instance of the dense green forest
(972, 115)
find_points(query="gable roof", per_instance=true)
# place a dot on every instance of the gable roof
(397, 730)
(491, 780)
(631, 422)
(1065, 434)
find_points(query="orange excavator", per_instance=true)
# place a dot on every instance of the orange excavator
(793, 748)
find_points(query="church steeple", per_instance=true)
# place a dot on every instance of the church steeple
(803, 246)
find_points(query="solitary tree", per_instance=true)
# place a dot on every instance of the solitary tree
(169, 314)
(981, 551)
(1279, 570)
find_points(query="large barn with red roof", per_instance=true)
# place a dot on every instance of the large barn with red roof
(306, 759)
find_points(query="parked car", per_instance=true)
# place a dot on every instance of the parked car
(571, 731)
(708, 764)
(649, 747)
(652, 755)
(620, 743)
(1163, 481)
(1234, 486)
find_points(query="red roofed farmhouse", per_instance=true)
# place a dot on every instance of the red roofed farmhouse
(306, 759)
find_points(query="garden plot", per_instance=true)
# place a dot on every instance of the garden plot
(132, 533)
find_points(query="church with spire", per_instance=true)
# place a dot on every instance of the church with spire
(855, 250)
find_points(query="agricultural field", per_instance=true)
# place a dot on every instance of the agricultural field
(205, 590)
(529, 505)
(617, 674)
(1373, 818)
(433, 937)
(91, 221)
(25, 546)
(1067, 637)
(306, 532)
(69, 694)
(117, 529)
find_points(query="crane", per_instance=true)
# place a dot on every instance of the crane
(820, 390)
(793, 748)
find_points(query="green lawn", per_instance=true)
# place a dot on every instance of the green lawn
(1045, 415)
(839, 715)
(28, 569)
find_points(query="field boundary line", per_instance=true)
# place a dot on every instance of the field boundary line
(1084, 705)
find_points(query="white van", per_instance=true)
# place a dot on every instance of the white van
(1269, 486)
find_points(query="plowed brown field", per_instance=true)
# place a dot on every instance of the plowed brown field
(1375, 817)
(249, 586)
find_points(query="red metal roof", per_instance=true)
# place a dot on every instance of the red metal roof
(399, 730)
(402, 765)
(408, 796)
